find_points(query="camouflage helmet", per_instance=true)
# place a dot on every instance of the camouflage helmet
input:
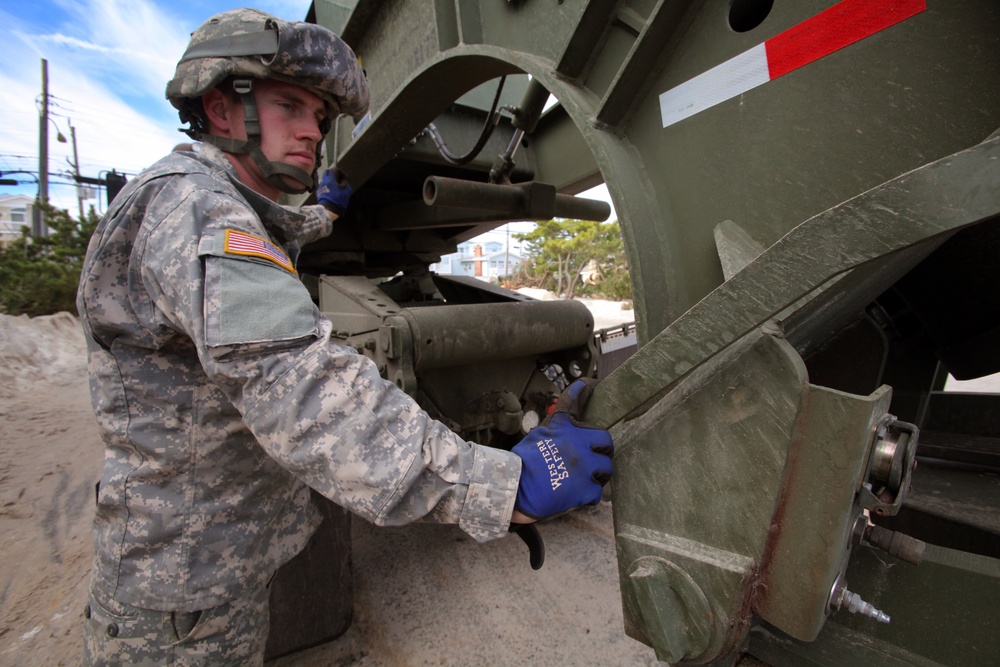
(247, 44)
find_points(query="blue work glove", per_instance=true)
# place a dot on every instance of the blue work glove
(334, 192)
(564, 462)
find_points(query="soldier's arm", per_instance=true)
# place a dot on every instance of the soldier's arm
(321, 410)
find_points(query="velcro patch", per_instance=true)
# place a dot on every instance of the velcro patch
(241, 243)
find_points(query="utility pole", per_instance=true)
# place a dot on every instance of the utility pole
(38, 221)
(76, 171)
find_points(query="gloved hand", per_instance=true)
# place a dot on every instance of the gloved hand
(565, 462)
(334, 192)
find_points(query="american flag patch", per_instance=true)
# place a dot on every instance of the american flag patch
(241, 243)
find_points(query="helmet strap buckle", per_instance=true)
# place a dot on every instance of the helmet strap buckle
(251, 120)
(243, 86)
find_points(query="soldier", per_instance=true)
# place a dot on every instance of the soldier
(218, 393)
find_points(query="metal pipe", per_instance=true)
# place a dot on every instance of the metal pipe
(526, 201)
(531, 107)
(581, 208)
(440, 191)
(446, 336)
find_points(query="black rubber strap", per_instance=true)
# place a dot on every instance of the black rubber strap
(536, 547)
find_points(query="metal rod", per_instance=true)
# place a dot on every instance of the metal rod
(581, 208)
(526, 201)
(446, 336)
(439, 191)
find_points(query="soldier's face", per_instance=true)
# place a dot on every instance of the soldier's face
(289, 123)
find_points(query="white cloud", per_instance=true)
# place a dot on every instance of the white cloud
(108, 62)
(133, 41)
(110, 51)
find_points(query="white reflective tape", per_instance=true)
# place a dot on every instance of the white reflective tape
(845, 23)
(733, 77)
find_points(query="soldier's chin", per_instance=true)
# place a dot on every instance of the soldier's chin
(293, 183)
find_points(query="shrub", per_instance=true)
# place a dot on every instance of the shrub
(39, 276)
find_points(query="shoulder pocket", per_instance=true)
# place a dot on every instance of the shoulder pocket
(251, 298)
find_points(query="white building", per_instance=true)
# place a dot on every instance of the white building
(483, 260)
(484, 257)
(15, 214)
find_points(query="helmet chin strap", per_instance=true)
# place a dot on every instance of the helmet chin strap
(273, 171)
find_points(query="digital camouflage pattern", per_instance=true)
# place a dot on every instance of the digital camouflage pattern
(248, 42)
(249, 45)
(220, 396)
(233, 634)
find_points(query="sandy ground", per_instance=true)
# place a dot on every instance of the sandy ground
(429, 596)
(49, 461)
(423, 595)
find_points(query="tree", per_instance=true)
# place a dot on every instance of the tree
(558, 250)
(39, 276)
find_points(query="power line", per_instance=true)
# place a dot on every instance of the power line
(99, 114)
(33, 159)
(56, 158)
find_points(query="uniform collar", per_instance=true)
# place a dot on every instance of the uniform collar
(280, 219)
(214, 155)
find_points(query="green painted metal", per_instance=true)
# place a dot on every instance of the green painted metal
(478, 367)
(783, 248)
(771, 147)
(917, 207)
(814, 528)
(720, 439)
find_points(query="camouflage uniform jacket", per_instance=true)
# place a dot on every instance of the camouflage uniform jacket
(220, 397)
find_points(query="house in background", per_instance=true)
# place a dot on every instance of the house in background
(485, 260)
(15, 214)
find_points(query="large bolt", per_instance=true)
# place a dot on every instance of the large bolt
(675, 614)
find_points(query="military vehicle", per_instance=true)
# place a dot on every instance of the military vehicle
(809, 195)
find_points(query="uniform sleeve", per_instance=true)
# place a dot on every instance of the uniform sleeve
(315, 223)
(321, 410)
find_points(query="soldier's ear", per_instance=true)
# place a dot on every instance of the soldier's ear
(221, 113)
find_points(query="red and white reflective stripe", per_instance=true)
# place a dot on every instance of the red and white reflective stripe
(843, 24)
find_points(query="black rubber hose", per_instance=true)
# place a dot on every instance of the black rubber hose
(484, 136)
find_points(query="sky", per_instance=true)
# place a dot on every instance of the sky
(108, 65)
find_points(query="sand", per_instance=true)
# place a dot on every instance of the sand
(50, 459)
